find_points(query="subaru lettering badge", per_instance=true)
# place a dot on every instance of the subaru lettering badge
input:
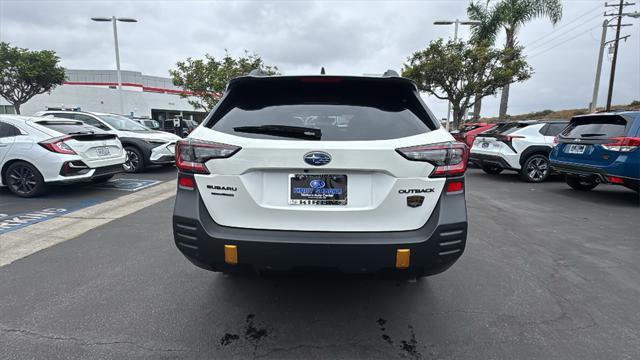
(317, 184)
(317, 158)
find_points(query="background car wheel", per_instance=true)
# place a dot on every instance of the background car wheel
(492, 169)
(101, 179)
(535, 169)
(24, 180)
(134, 162)
(579, 183)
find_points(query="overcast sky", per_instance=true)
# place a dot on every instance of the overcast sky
(346, 37)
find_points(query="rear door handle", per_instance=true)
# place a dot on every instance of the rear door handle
(4, 145)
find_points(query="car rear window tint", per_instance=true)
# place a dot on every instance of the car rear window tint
(341, 114)
(596, 127)
(504, 129)
(70, 127)
(469, 128)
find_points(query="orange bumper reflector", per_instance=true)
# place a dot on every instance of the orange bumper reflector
(231, 254)
(402, 258)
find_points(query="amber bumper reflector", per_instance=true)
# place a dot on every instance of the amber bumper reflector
(231, 254)
(402, 258)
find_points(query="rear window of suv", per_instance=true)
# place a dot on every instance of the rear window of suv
(596, 127)
(339, 114)
(506, 128)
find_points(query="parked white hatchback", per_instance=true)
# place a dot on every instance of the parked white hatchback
(36, 152)
(143, 146)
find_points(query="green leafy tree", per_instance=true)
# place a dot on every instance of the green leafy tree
(464, 72)
(206, 79)
(25, 74)
(510, 15)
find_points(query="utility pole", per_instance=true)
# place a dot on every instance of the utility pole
(616, 41)
(596, 84)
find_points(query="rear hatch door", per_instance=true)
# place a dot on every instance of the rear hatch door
(582, 141)
(93, 145)
(320, 156)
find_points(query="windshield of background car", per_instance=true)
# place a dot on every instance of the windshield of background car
(341, 114)
(122, 123)
(596, 127)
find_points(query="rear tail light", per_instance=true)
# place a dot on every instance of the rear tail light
(615, 180)
(191, 155)
(449, 159)
(58, 145)
(623, 144)
(186, 182)
(455, 186)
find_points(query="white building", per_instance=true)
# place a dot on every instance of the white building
(96, 90)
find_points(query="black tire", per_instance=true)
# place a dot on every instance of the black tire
(24, 180)
(101, 179)
(535, 169)
(582, 184)
(135, 162)
(493, 170)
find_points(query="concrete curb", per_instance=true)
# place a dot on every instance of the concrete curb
(24, 242)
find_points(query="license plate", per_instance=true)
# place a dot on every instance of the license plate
(317, 189)
(103, 151)
(576, 149)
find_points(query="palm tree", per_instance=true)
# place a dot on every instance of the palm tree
(511, 15)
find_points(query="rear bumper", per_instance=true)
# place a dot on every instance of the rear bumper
(598, 174)
(163, 154)
(489, 160)
(434, 247)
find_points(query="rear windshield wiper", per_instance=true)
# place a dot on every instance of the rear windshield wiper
(297, 132)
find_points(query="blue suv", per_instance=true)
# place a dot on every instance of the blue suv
(600, 148)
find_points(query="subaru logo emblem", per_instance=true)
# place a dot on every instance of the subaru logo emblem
(317, 158)
(317, 184)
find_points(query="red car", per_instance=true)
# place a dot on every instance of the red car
(469, 131)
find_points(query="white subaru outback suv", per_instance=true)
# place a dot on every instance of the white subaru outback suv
(521, 146)
(345, 173)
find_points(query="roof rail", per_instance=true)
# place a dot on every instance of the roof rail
(258, 72)
(390, 73)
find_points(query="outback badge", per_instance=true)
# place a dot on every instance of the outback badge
(415, 200)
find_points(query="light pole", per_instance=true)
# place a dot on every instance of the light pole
(456, 23)
(114, 20)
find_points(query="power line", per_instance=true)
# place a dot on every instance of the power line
(561, 43)
(564, 25)
(564, 33)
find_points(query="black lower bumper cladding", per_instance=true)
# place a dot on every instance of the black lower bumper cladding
(434, 247)
(489, 160)
(597, 174)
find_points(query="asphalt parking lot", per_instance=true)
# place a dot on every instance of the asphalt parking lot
(63, 199)
(548, 273)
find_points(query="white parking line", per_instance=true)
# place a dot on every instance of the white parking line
(26, 241)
